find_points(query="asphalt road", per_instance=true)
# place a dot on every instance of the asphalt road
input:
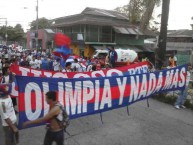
(161, 124)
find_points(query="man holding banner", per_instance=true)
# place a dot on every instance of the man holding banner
(55, 131)
(8, 116)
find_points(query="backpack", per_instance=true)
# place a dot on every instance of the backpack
(64, 123)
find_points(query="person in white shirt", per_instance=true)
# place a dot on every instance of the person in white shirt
(39, 62)
(1, 67)
(77, 66)
(33, 63)
(57, 65)
(8, 116)
(68, 67)
(29, 57)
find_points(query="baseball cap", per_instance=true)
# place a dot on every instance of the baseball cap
(5, 89)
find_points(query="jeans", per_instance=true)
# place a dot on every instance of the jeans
(182, 97)
(57, 137)
(112, 63)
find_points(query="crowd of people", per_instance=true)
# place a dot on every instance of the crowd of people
(42, 61)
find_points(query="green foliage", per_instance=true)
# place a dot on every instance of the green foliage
(139, 11)
(14, 33)
(43, 23)
(124, 9)
(192, 26)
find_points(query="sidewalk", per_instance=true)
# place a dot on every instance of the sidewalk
(161, 124)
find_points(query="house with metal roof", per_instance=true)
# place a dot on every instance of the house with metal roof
(180, 42)
(97, 29)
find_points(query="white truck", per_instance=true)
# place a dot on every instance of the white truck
(123, 56)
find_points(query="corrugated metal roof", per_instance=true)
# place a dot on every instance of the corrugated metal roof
(128, 30)
(50, 31)
(94, 16)
(132, 31)
(102, 12)
(180, 33)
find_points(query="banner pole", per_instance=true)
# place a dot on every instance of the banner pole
(101, 116)
(128, 111)
(148, 103)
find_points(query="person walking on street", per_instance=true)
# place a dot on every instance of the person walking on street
(55, 132)
(8, 116)
(183, 93)
(8, 78)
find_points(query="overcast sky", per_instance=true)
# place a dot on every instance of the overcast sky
(180, 10)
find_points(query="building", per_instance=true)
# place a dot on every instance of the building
(180, 43)
(97, 29)
(45, 39)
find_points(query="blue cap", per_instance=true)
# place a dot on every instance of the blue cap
(5, 89)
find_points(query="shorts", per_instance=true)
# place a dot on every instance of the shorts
(11, 138)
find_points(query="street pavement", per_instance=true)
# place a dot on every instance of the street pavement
(160, 124)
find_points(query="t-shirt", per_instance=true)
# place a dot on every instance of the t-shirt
(6, 55)
(45, 64)
(78, 67)
(113, 55)
(39, 62)
(33, 64)
(7, 111)
(56, 66)
(5, 79)
(29, 57)
(66, 70)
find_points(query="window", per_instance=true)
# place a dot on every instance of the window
(105, 34)
(92, 33)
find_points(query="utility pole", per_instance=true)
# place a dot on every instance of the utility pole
(37, 23)
(6, 32)
(161, 54)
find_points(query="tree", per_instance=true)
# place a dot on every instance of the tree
(161, 54)
(124, 9)
(14, 33)
(43, 23)
(149, 6)
(19, 32)
(135, 11)
(139, 11)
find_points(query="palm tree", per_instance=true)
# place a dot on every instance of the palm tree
(149, 6)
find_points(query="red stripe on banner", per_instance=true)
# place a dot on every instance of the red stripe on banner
(33, 101)
(115, 94)
(17, 70)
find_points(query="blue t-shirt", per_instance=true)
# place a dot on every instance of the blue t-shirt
(45, 65)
